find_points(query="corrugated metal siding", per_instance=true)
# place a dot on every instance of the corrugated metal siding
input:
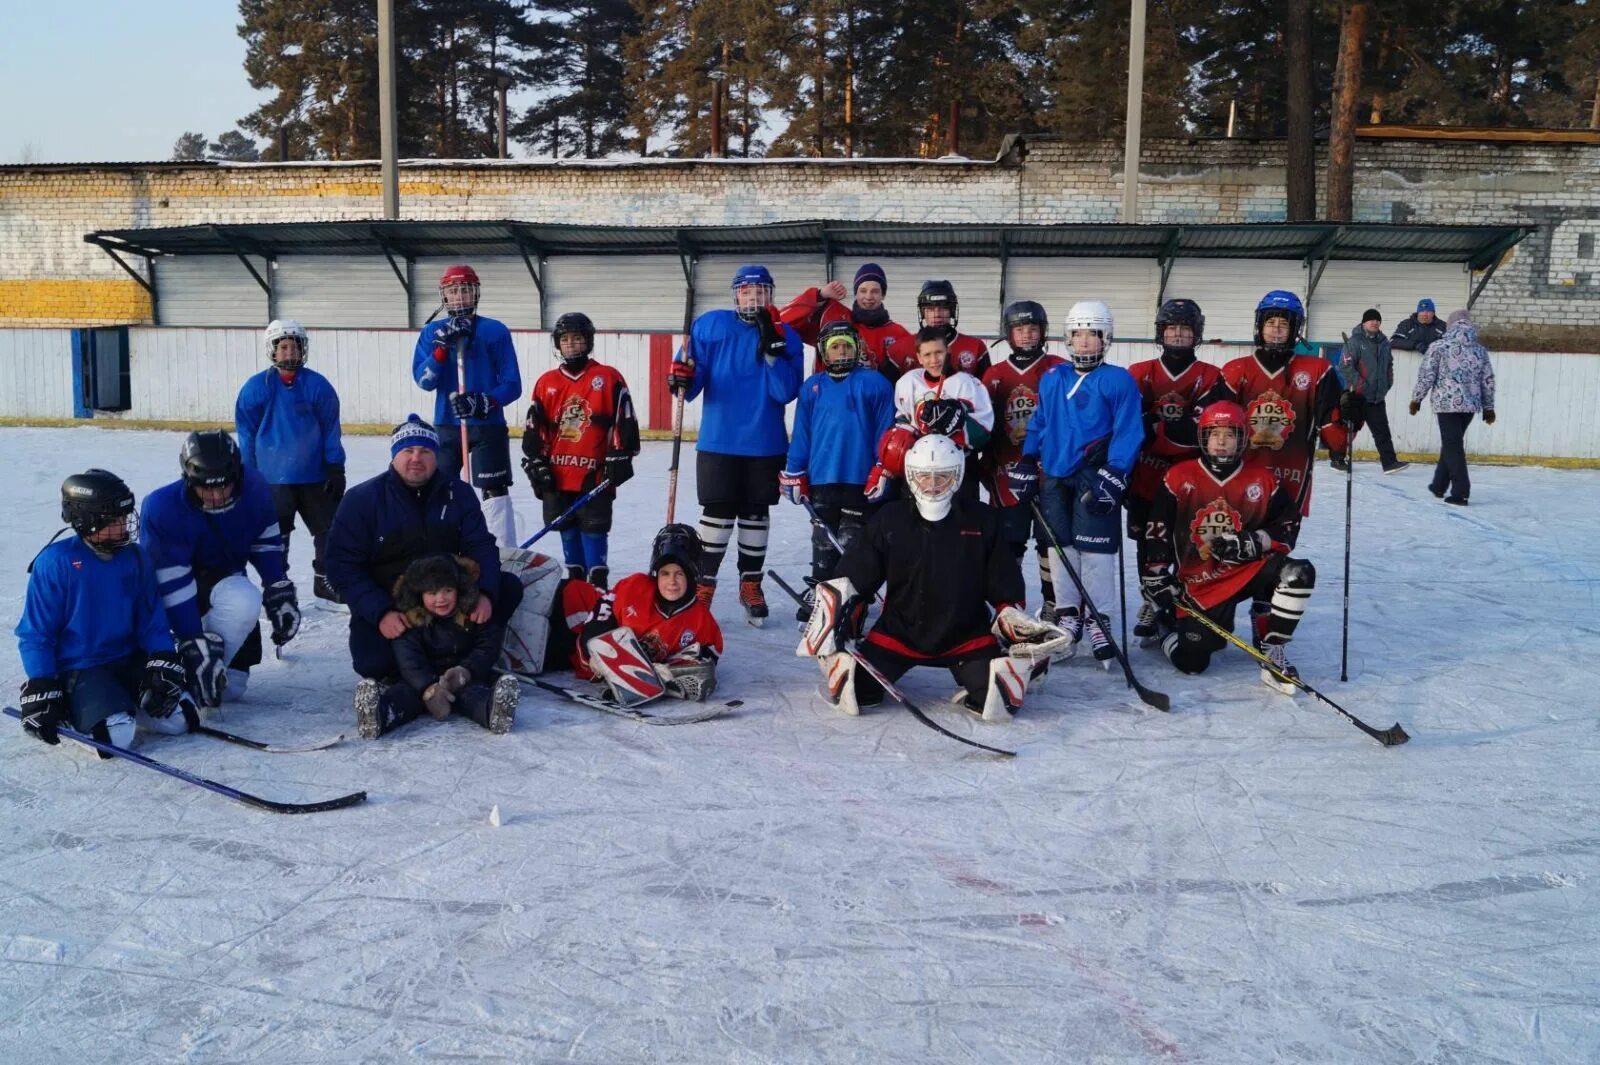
(629, 292)
(1128, 286)
(36, 373)
(508, 292)
(1348, 289)
(977, 283)
(1228, 290)
(210, 290)
(713, 279)
(354, 291)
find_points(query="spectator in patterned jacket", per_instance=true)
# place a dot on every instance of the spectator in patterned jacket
(1456, 371)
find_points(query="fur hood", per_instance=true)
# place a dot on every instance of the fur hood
(408, 599)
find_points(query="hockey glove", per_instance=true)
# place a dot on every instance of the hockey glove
(472, 404)
(44, 707)
(835, 620)
(1161, 589)
(283, 610)
(333, 480)
(165, 684)
(1020, 481)
(1240, 547)
(456, 328)
(942, 416)
(1353, 411)
(540, 476)
(796, 486)
(1104, 493)
(619, 468)
(680, 376)
(774, 345)
(438, 699)
(878, 482)
(208, 670)
(1024, 635)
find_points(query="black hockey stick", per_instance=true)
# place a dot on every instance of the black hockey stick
(262, 745)
(606, 706)
(1392, 736)
(272, 805)
(1349, 496)
(888, 686)
(1148, 696)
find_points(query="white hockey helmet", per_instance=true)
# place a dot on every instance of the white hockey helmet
(934, 467)
(1094, 316)
(277, 330)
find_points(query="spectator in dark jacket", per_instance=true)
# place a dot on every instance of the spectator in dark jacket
(1418, 331)
(446, 660)
(1368, 371)
(407, 512)
(1457, 374)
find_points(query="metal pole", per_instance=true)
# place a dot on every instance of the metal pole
(502, 85)
(388, 117)
(1130, 147)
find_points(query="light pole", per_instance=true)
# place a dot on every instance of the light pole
(1130, 147)
(502, 85)
(388, 117)
(716, 77)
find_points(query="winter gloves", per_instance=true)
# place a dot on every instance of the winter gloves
(44, 707)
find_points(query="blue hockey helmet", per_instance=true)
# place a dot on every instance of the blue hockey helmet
(754, 276)
(1280, 303)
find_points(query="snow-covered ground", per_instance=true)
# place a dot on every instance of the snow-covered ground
(1249, 879)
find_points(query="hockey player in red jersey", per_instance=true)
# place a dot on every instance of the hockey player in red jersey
(937, 308)
(1013, 387)
(1219, 532)
(1169, 387)
(581, 428)
(886, 345)
(648, 636)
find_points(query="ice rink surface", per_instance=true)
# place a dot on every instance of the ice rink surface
(1249, 879)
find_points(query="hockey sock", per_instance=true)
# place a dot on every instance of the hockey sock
(572, 547)
(715, 532)
(1099, 573)
(1295, 582)
(753, 542)
(595, 549)
(1047, 584)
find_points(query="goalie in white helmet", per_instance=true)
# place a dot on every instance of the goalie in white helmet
(952, 590)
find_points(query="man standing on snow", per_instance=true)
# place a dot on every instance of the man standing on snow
(1368, 371)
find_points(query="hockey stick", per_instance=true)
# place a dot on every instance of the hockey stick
(272, 805)
(677, 448)
(827, 530)
(1148, 696)
(1349, 495)
(596, 703)
(1122, 590)
(565, 514)
(461, 387)
(854, 650)
(262, 745)
(1392, 736)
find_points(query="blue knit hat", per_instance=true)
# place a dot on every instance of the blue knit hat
(870, 272)
(1424, 305)
(413, 432)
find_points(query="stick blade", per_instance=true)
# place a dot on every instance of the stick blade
(1393, 736)
(1153, 698)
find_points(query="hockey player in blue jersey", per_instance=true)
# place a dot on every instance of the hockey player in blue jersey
(482, 347)
(842, 413)
(749, 367)
(1084, 437)
(93, 637)
(287, 421)
(201, 531)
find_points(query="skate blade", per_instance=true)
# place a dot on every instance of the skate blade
(1277, 685)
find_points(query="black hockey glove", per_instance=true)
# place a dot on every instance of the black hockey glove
(1161, 589)
(283, 610)
(44, 707)
(540, 475)
(207, 669)
(165, 683)
(1021, 482)
(333, 480)
(472, 404)
(1239, 547)
(942, 416)
(1104, 493)
(774, 345)
(619, 468)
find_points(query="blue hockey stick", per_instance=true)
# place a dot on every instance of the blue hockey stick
(561, 520)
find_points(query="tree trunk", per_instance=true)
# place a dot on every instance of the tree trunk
(1375, 116)
(1300, 165)
(819, 83)
(1594, 113)
(1342, 136)
(850, 81)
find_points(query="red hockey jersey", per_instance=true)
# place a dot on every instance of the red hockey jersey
(887, 347)
(1287, 410)
(1014, 393)
(689, 630)
(579, 419)
(1166, 399)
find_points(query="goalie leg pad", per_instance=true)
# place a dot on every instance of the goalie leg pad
(1008, 683)
(620, 660)
(839, 682)
(691, 681)
(820, 636)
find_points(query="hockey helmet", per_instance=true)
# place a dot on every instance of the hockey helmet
(1225, 419)
(892, 448)
(1089, 316)
(1180, 312)
(938, 294)
(934, 467)
(839, 347)
(459, 289)
(211, 459)
(573, 322)
(677, 543)
(1026, 312)
(95, 499)
(285, 329)
(758, 280)
(1280, 303)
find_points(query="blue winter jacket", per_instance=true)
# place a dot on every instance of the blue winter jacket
(83, 611)
(491, 367)
(744, 394)
(290, 432)
(187, 542)
(382, 526)
(1077, 412)
(837, 424)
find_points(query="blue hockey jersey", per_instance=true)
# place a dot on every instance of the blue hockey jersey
(744, 396)
(490, 367)
(186, 543)
(82, 610)
(1076, 412)
(837, 424)
(290, 432)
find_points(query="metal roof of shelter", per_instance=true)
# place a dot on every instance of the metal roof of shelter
(1477, 246)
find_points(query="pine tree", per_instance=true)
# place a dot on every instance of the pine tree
(576, 60)
(189, 148)
(234, 147)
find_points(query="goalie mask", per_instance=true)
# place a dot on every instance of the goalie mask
(1224, 428)
(1089, 330)
(459, 291)
(288, 358)
(839, 347)
(934, 467)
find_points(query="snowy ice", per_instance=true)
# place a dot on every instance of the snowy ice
(1249, 879)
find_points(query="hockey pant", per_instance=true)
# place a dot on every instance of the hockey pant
(490, 455)
(1285, 583)
(844, 508)
(314, 505)
(233, 612)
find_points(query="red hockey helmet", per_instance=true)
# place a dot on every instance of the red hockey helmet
(892, 448)
(459, 289)
(1229, 419)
